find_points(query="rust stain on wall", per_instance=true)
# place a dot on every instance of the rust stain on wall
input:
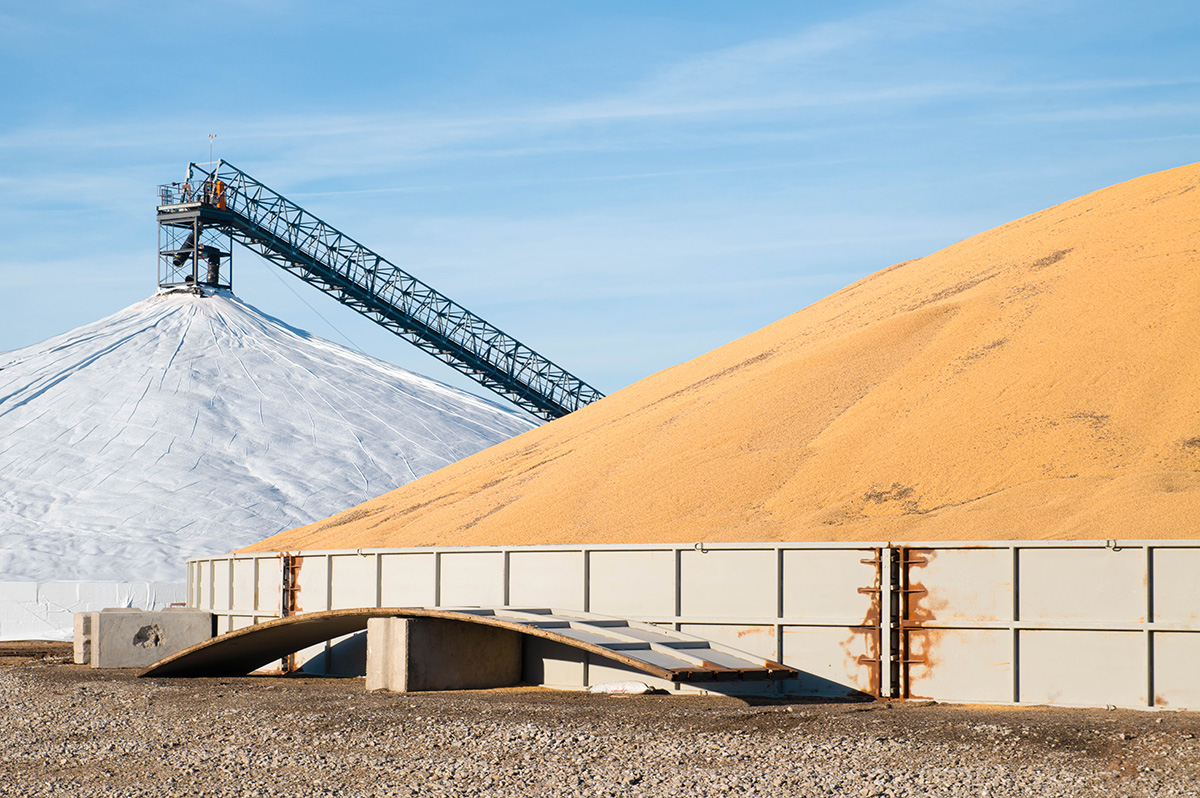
(916, 646)
(870, 627)
(769, 631)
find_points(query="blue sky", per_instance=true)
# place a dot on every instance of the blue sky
(620, 185)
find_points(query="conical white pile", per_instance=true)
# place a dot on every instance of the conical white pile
(188, 425)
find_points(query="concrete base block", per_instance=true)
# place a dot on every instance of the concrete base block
(132, 638)
(413, 654)
(83, 637)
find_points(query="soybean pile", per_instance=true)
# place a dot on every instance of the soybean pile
(1036, 381)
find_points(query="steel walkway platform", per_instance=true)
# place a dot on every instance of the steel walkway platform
(654, 650)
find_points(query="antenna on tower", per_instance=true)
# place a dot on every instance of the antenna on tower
(211, 136)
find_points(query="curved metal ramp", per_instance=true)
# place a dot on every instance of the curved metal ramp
(655, 650)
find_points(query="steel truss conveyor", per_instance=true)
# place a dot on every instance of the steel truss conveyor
(199, 218)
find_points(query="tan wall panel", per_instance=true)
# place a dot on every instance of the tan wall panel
(1086, 668)
(313, 581)
(1176, 658)
(353, 581)
(1083, 585)
(204, 572)
(720, 583)
(348, 655)
(602, 671)
(828, 657)
(759, 640)
(244, 584)
(472, 579)
(962, 584)
(632, 584)
(1176, 585)
(269, 588)
(961, 664)
(408, 580)
(546, 579)
(220, 585)
(821, 583)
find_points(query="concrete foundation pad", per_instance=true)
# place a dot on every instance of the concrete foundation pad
(413, 654)
(132, 638)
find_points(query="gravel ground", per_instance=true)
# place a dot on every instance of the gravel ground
(71, 730)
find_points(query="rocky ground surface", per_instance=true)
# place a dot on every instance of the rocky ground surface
(71, 730)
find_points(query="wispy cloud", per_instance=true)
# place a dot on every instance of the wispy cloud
(1109, 112)
(801, 72)
(774, 166)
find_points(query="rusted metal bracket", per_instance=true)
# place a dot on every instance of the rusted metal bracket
(289, 598)
(893, 594)
(908, 592)
(290, 584)
(880, 623)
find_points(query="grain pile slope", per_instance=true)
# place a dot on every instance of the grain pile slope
(1036, 381)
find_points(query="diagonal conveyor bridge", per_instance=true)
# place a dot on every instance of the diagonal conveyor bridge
(201, 217)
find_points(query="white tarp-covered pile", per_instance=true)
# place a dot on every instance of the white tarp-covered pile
(188, 425)
(46, 610)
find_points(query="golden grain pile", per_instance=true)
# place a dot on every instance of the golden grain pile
(1038, 381)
